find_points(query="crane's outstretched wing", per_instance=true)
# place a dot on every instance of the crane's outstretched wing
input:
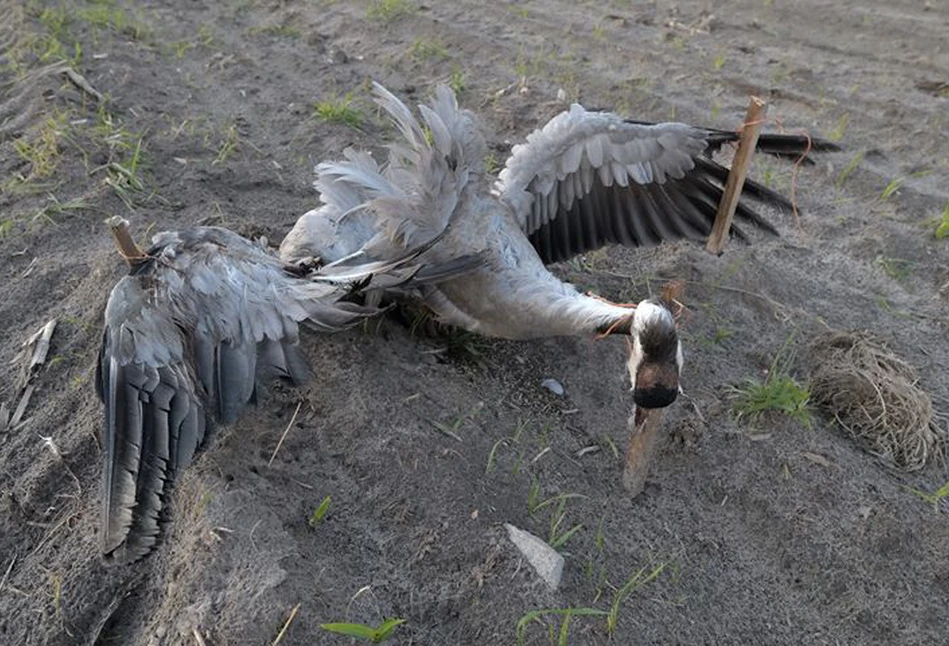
(587, 179)
(188, 335)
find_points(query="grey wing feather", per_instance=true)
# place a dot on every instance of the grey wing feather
(587, 179)
(187, 337)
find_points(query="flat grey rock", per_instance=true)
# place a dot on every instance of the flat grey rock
(545, 560)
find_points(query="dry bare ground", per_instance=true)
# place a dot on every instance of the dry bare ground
(768, 532)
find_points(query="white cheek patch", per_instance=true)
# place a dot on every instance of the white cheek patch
(647, 314)
(635, 359)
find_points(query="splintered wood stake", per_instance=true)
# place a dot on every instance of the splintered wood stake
(644, 426)
(757, 110)
(123, 239)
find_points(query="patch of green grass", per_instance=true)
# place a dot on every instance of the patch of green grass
(41, 148)
(514, 438)
(838, 132)
(557, 536)
(779, 392)
(716, 110)
(635, 582)
(55, 207)
(124, 176)
(561, 637)
(205, 36)
(457, 81)
(491, 164)
(206, 497)
(718, 62)
(376, 635)
(389, 10)
(228, 145)
(180, 48)
(942, 229)
(108, 17)
(339, 110)
(6, 226)
(520, 629)
(279, 31)
(451, 429)
(934, 497)
(428, 50)
(320, 512)
(898, 269)
(848, 170)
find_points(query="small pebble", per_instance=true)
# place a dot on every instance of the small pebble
(553, 386)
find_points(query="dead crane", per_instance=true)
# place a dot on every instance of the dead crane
(584, 180)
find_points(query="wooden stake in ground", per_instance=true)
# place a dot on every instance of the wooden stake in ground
(123, 239)
(644, 425)
(757, 110)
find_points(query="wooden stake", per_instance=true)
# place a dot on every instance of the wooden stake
(757, 110)
(644, 426)
(123, 239)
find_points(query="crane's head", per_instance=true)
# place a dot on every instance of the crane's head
(655, 354)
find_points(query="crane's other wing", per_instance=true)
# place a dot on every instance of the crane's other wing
(188, 335)
(587, 179)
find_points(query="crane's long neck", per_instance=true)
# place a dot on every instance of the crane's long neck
(515, 306)
(576, 314)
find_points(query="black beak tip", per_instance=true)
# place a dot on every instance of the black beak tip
(657, 396)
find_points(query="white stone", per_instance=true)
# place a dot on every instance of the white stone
(545, 560)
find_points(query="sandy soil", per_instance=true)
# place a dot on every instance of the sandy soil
(769, 533)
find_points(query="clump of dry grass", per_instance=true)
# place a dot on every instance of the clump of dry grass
(875, 396)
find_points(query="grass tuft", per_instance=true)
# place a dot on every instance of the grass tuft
(228, 145)
(934, 497)
(425, 50)
(457, 81)
(779, 392)
(389, 10)
(339, 110)
(838, 132)
(848, 170)
(520, 630)
(635, 582)
(942, 229)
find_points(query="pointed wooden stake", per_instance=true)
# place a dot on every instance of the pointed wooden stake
(123, 239)
(757, 110)
(644, 425)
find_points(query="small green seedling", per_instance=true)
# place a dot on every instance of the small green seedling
(942, 231)
(849, 169)
(933, 498)
(375, 635)
(838, 132)
(891, 188)
(317, 516)
(520, 630)
(635, 582)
